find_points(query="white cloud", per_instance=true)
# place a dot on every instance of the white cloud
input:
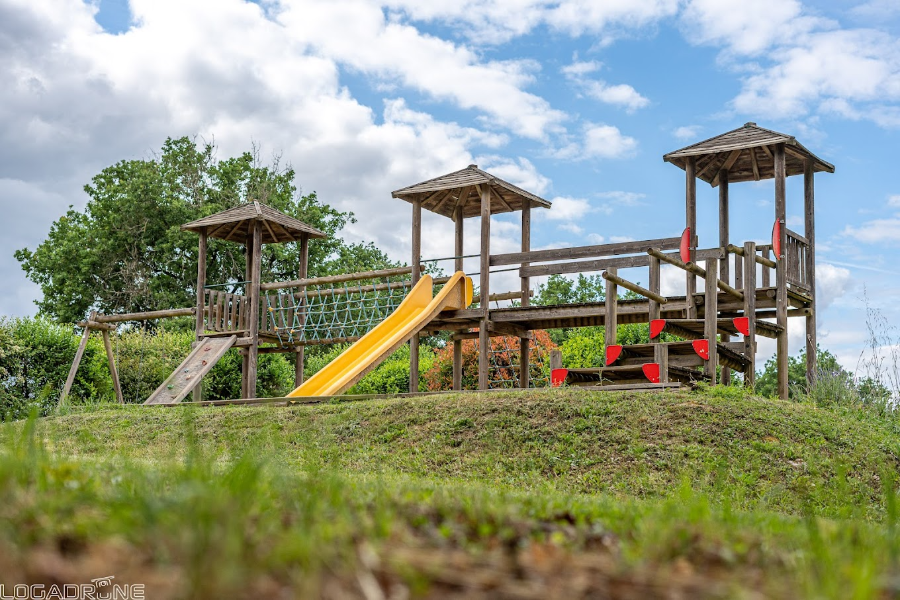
(621, 198)
(568, 209)
(571, 228)
(831, 283)
(687, 132)
(878, 230)
(618, 95)
(894, 201)
(606, 141)
(520, 172)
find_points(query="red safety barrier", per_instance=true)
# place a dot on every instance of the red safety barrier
(656, 327)
(685, 249)
(742, 324)
(701, 347)
(558, 377)
(612, 354)
(651, 372)
(776, 240)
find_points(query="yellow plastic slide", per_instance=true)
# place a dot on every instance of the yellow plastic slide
(413, 314)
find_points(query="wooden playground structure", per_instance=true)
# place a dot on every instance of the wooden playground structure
(733, 293)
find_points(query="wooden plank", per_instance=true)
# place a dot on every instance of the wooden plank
(750, 312)
(303, 273)
(612, 304)
(661, 357)
(416, 274)
(190, 372)
(146, 316)
(809, 218)
(634, 287)
(729, 162)
(781, 300)
(70, 378)
(724, 270)
(201, 287)
(711, 316)
(113, 371)
(654, 287)
(253, 311)
(525, 287)
(484, 341)
(579, 252)
(343, 278)
(754, 163)
(691, 222)
(458, 266)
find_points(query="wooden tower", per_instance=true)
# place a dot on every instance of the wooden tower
(466, 193)
(752, 153)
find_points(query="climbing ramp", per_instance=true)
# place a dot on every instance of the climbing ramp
(189, 373)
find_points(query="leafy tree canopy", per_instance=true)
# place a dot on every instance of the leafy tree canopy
(125, 251)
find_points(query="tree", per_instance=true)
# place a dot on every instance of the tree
(125, 251)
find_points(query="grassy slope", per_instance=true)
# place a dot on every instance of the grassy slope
(749, 452)
(459, 495)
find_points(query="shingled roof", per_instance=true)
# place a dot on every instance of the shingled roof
(443, 194)
(747, 154)
(235, 224)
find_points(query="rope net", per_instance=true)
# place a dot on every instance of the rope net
(505, 358)
(331, 314)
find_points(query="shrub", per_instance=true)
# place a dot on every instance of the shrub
(504, 359)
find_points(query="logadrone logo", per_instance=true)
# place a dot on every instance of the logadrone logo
(101, 588)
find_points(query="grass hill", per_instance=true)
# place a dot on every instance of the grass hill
(561, 493)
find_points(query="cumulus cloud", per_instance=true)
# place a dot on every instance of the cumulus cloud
(831, 283)
(687, 132)
(519, 171)
(622, 95)
(568, 209)
(606, 141)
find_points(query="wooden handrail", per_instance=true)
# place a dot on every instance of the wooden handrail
(696, 270)
(146, 316)
(759, 259)
(344, 277)
(634, 287)
(597, 251)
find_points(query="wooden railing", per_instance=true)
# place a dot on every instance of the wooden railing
(226, 312)
(796, 253)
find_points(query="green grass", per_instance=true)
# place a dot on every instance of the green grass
(547, 494)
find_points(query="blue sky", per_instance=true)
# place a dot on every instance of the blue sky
(576, 101)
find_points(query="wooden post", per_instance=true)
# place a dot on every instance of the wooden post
(654, 287)
(711, 317)
(253, 349)
(691, 222)
(525, 343)
(76, 361)
(555, 360)
(245, 355)
(661, 357)
(484, 336)
(724, 270)
(199, 325)
(612, 308)
(416, 274)
(809, 212)
(458, 266)
(113, 372)
(303, 273)
(750, 311)
(766, 277)
(781, 301)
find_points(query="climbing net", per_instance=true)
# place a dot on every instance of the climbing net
(333, 313)
(505, 358)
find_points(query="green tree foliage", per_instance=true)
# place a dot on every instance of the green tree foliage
(562, 290)
(125, 251)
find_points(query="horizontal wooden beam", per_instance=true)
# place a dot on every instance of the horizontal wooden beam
(759, 259)
(600, 250)
(96, 325)
(146, 316)
(344, 277)
(634, 288)
(696, 270)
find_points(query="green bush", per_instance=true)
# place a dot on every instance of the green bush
(35, 356)
(390, 377)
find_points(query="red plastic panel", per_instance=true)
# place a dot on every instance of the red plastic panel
(685, 249)
(656, 327)
(651, 372)
(701, 347)
(558, 377)
(742, 324)
(776, 240)
(612, 354)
